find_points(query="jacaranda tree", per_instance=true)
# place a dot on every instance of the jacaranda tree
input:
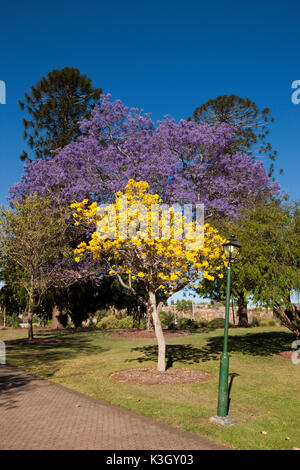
(183, 162)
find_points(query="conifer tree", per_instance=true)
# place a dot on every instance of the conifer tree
(251, 124)
(55, 105)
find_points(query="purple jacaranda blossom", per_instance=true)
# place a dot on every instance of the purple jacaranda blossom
(183, 162)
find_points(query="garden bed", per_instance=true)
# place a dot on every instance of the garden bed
(148, 334)
(148, 376)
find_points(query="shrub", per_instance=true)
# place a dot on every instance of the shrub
(167, 320)
(141, 325)
(126, 322)
(255, 321)
(108, 322)
(202, 322)
(183, 323)
(45, 322)
(267, 322)
(36, 321)
(13, 321)
(99, 314)
(264, 322)
(217, 323)
(187, 323)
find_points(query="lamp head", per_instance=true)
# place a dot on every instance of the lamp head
(231, 248)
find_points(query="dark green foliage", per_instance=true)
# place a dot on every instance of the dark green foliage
(187, 324)
(255, 321)
(87, 300)
(79, 301)
(202, 323)
(167, 320)
(267, 267)
(13, 299)
(99, 314)
(216, 323)
(250, 122)
(13, 321)
(55, 105)
(114, 295)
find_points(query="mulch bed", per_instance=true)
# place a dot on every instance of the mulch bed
(148, 334)
(171, 376)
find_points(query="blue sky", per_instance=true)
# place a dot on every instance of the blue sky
(166, 57)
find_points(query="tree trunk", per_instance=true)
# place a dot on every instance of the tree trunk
(56, 319)
(149, 318)
(242, 310)
(29, 321)
(30, 314)
(161, 364)
(289, 316)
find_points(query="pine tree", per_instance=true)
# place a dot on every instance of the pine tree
(250, 122)
(55, 105)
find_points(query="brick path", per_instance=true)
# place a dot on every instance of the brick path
(39, 414)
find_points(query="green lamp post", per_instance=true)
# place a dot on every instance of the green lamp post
(231, 249)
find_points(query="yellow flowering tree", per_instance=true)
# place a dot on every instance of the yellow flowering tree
(142, 243)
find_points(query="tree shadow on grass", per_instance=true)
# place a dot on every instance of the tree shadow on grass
(50, 348)
(254, 344)
(183, 353)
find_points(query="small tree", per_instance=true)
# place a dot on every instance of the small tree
(31, 246)
(269, 261)
(184, 305)
(164, 265)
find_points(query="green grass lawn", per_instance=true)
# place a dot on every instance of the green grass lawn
(265, 392)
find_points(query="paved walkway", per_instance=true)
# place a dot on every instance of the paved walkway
(39, 414)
